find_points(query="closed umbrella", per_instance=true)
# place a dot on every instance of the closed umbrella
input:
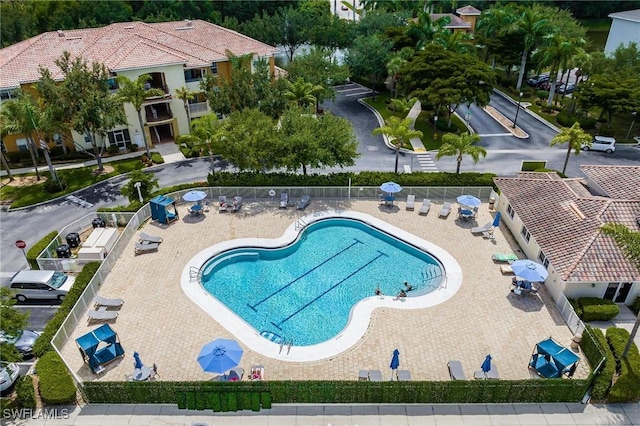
(486, 364)
(469, 200)
(395, 360)
(529, 270)
(220, 356)
(390, 187)
(496, 220)
(137, 362)
(193, 196)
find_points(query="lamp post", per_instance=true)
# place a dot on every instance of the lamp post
(435, 122)
(137, 185)
(517, 110)
(634, 113)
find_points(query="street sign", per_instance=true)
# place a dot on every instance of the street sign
(21, 244)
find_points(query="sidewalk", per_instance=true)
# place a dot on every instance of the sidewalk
(343, 415)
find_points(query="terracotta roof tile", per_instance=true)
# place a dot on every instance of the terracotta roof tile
(454, 20)
(468, 10)
(621, 182)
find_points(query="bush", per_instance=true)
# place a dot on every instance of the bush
(157, 158)
(132, 147)
(43, 344)
(602, 380)
(56, 386)
(627, 387)
(576, 307)
(606, 131)
(52, 186)
(113, 149)
(26, 393)
(596, 309)
(38, 247)
(566, 119)
(635, 306)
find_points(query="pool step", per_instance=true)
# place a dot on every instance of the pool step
(206, 274)
(271, 336)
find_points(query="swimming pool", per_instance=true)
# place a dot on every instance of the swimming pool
(315, 285)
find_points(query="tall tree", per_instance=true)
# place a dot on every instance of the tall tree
(206, 133)
(16, 118)
(302, 93)
(554, 54)
(459, 146)
(136, 93)
(316, 67)
(491, 28)
(532, 24)
(12, 324)
(368, 59)
(185, 95)
(397, 62)
(399, 132)
(574, 137)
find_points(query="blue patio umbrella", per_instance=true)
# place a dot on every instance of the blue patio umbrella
(395, 360)
(529, 270)
(220, 356)
(390, 187)
(193, 196)
(486, 364)
(496, 220)
(137, 363)
(469, 200)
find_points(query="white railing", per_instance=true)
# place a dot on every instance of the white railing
(198, 107)
(574, 322)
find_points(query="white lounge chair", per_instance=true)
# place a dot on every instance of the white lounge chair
(107, 303)
(257, 373)
(304, 202)
(146, 238)
(284, 200)
(411, 202)
(506, 269)
(101, 315)
(404, 376)
(237, 203)
(222, 203)
(426, 205)
(455, 370)
(145, 248)
(489, 375)
(375, 375)
(481, 229)
(445, 210)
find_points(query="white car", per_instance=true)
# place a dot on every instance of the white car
(9, 373)
(601, 143)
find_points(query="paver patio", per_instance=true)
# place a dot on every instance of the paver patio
(160, 322)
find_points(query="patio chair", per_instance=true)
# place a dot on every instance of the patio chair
(475, 211)
(237, 203)
(107, 303)
(488, 234)
(411, 202)
(489, 375)
(304, 202)
(506, 270)
(145, 248)
(455, 370)
(502, 257)
(257, 373)
(154, 372)
(284, 200)
(207, 206)
(237, 373)
(445, 210)
(426, 205)
(146, 238)
(101, 315)
(375, 375)
(481, 229)
(222, 203)
(404, 376)
(363, 375)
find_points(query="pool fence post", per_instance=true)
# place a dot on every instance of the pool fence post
(349, 195)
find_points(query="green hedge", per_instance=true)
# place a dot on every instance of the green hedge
(357, 179)
(36, 249)
(566, 119)
(597, 309)
(635, 306)
(157, 158)
(56, 386)
(591, 340)
(531, 166)
(627, 387)
(43, 344)
(25, 393)
(252, 395)
(576, 307)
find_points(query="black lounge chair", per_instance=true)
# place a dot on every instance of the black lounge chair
(304, 202)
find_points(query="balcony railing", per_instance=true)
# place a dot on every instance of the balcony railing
(198, 107)
(155, 115)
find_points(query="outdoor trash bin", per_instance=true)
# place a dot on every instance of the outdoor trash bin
(63, 251)
(73, 239)
(492, 203)
(98, 223)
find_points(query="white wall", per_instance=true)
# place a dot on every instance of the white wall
(624, 32)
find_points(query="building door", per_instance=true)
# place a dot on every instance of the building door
(623, 292)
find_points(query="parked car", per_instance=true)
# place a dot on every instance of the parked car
(546, 85)
(537, 80)
(41, 285)
(23, 342)
(9, 373)
(566, 89)
(601, 143)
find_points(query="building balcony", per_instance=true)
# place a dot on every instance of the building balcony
(198, 109)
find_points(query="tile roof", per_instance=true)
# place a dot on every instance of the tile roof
(126, 45)
(468, 10)
(454, 22)
(621, 182)
(565, 221)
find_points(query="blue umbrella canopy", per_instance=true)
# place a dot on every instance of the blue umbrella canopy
(137, 362)
(395, 360)
(469, 200)
(220, 356)
(486, 364)
(529, 270)
(194, 196)
(496, 220)
(390, 187)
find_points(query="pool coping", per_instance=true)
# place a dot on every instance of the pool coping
(360, 314)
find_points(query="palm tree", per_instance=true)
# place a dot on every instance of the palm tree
(556, 53)
(403, 106)
(576, 138)
(17, 117)
(205, 131)
(457, 41)
(135, 93)
(399, 132)
(395, 64)
(303, 93)
(492, 23)
(460, 145)
(185, 95)
(4, 132)
(534, 25)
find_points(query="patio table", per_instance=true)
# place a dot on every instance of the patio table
(466, 214)
(141, 374)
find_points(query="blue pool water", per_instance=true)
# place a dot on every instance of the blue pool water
(304, 292)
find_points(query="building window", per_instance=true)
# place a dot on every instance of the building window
(214, 68)
(525, 233)
(193, 74)
(5, 95)
(120, 138)
(57, 138)
(543, 259)
(112, 83)
(510, 211)
(23, 144)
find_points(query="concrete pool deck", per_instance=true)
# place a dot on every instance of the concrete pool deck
(161, 323)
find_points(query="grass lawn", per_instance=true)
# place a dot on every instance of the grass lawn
(76, 179)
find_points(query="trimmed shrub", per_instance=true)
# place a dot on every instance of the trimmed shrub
(233, 401)
(36, 249)
(566, 119)
(113, 149)
(265, 399)
(596, 309)
(26, 393)
(602, 380)
(530, 166)
(157, 158)
(52, 186)
(43, 344)
(56, 386)
(576, 307)
(627, 387)
(635, 306)
(255, 401)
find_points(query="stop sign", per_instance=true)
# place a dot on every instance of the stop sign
(21, 244)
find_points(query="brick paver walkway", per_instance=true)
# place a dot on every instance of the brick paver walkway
(166, 328)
